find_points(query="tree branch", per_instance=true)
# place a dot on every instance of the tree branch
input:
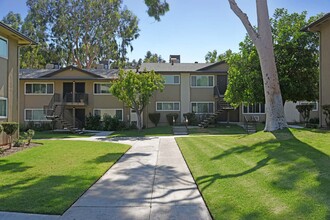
(245, 20)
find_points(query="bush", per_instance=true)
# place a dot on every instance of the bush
(10, 128)
(170, 116)
(1, 129)
(304, 110)
(93, 122)
(28, 136)
(112, 123)
(192, 120)
(43, 126)
(154, 118)
(326, 111)
(19, 142)
(314, 120)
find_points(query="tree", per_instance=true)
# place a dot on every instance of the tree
(135, 89)
(14, 20)
(262, 39)
(157, 8)
(86, 32)
(212, 56)
(153, 58)
(296, 55)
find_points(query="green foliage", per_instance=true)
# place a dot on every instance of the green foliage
(157, 8)
(93, 122)
(29, 135)
(43, 126)
(296, 55)
(10, 128)
(84, 32)
(191, 116)
(14, 20)
(112, 123)
(19, 142)
(304, 110)
(170, 117)
(135, 89)
(154, 118)
(213, 57)
(153, 58)
(1, 128)
(326, 111)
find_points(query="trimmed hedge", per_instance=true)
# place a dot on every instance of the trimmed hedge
(170, 116)
(154, 118)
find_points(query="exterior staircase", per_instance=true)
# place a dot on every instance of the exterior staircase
(221, 105)
(250, 124)
(56, 112)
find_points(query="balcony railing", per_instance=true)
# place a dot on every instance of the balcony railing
(76, 98)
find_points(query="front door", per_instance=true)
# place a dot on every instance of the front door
(80, 117)
(222, 84)
(68, 91)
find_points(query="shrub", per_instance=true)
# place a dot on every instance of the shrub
(1, 129)
(326, 111)
(192, 120)
(43, 126)
(10, 128)
(314, 120)
(28, 136)
(170, 116)
(304, 110)
(93, 122)
(19, 142)
(154, 118)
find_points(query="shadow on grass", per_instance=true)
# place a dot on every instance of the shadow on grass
(293, 160)
(46, 194)
(12, 166)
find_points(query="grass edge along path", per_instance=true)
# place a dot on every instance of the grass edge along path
(48, 179)
(279, 175)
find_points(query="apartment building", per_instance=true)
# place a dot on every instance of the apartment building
(10, 43)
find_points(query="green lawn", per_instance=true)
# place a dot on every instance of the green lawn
(279, 175)
(157, 131)
(51, 177)
(52, 134)
(219, 130)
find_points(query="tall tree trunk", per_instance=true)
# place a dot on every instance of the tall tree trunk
(263, 41)
(139, 119)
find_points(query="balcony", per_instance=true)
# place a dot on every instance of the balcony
(77, 99)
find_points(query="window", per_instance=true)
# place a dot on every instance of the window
(112, 112)
(202, 107)
(202, 81)
(171, 79)
(39, 88)
(258, 108)
(3, 48)
(35, 115)
(3, 107)
(315, 105)
(102, 88)
(168, 106)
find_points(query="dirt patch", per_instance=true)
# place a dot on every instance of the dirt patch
(5, 151)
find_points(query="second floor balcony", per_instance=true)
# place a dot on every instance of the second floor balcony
(75, 99)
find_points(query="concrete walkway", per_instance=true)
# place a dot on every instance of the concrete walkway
(151, 181)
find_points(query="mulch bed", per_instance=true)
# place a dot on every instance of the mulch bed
(5, 151)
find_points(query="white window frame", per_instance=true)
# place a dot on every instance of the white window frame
(106, 109)
(6, 55)
(253, 113)
(310, 103)
(109, 93)
(196, 86)
(173, 80)
(39, 83)
(34, 109)
(6, 100)
(208, 102)
(174, 110)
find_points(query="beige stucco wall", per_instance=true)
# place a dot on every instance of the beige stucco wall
(325, 69)
(9, 83)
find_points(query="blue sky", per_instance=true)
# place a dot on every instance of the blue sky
(192, 27)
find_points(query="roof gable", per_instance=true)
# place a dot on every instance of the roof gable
(12, 33)
(221, 66)
(71, 72)
(317, 25)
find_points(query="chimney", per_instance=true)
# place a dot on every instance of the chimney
(105, 63)
(174, 59)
